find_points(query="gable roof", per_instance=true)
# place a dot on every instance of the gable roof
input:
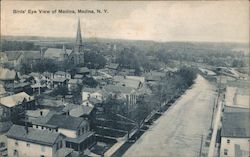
(43, 137)
(236, 124)
(15, 99)
(32, 55)
(66, 122)
(81, 110)
(7, 74)
(78, 76)
(55, 53)
(82, 70)
(13, 55)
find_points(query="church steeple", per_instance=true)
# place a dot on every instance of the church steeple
(78, 54)
(78, 34)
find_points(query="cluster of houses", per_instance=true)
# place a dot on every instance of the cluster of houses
(235, 128)
(37, 123)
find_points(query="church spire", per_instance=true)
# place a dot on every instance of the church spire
(78, 34)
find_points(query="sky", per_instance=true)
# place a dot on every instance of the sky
(214, 21)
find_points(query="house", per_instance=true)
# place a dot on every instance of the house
(78, 76)
(22, 87)
(2, 91)
(84, 111)
(34, 114)
(59, 82)
(32, 56)
(15, 58)
(62, 74)
(8, 77)
(57, 54)
(73, 84)
(76, 129)
(126, 94)
(235, 134)
(112, 66)
(96, 93)
(3, 58)
(125, 71)
(51, 102)
(83, 71)
(237, 97)
(12, 108)
(154, 76)
(29, 142)
(135, 82)
(15, 105)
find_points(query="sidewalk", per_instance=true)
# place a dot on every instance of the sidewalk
(212, 152)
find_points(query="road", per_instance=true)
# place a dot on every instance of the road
(178, 131)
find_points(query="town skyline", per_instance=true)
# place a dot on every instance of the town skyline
(217, 25)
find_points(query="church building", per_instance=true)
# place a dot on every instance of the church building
(74, 56)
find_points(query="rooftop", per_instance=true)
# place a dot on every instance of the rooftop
(59, 79)
(55, 53)
(74, 81)
(113, 66)
(235, 109)
(132, 82)
(43, 137)
(60, 73)
(78, 76)
(13, 100)
(7, 74)
(13, 55)
(66, 122)
(82, 70)
(80, 138)
(80, 110)
(118, 89)
(236, 124)
(32, 54)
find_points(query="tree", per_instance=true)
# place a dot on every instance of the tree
(94, 60)
(60, 90)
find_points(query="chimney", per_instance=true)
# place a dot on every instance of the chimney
(41, 113)
(26, 128)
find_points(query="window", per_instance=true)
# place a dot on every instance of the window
(16, 143)
(42, 127)
(42, 156)
(42, 148)
(36, 126)
(78, 132)
(225, 151)
(27, 144)
(228, 141)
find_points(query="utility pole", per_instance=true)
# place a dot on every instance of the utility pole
(201, 146)
(212, 118)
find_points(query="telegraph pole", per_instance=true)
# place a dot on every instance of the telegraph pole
(201, 146)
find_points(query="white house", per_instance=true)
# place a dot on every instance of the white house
(127, 94)
(29, 142)
(76, 129)
(93, 93)
(235, 135)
